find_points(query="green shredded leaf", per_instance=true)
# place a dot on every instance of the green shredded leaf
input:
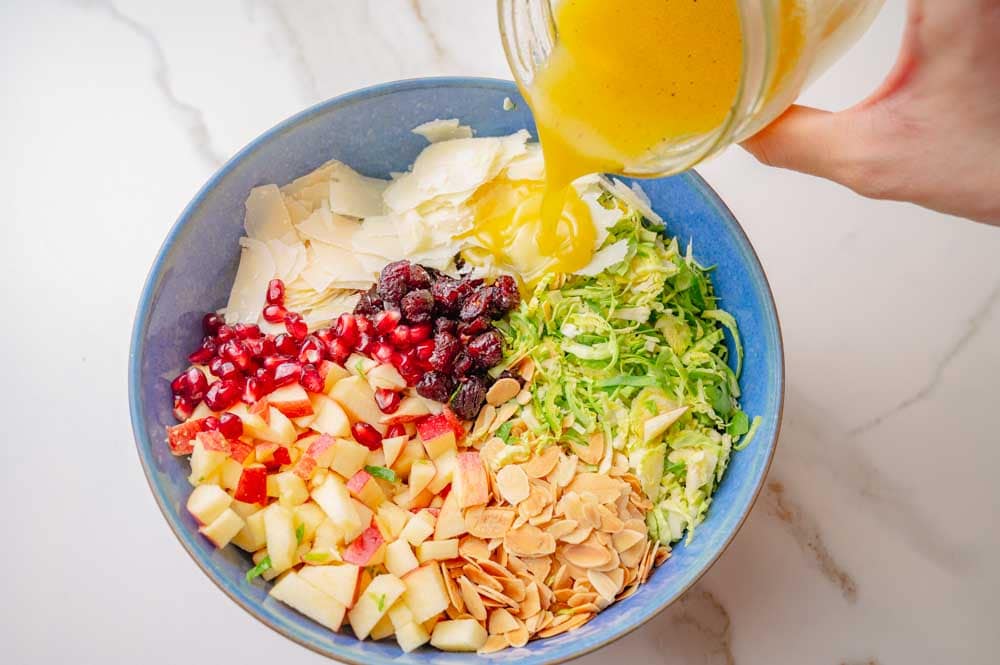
(503, 432)
(382, 472)
(259, 569)
(750, 434)
(317, 557)
(379, 601)
(300, 532)
(359, 367)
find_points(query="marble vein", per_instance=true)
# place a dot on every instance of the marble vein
(418, 12)
(975, 323)
(806, 534)
(293, 41)
(701, 610)
(190, 117)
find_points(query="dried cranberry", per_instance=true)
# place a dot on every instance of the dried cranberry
(449, 294)
(486, 349)
(387, 400)
(369, 302)
(276, 292)
(476, 305)
(230, 425)
(286, 345)
(436, 386)
(505, 293)
(464, 365)
(395, 430)
(274, 313)
(347, 329)
(311, 379)
(418, 306)
(393, 282)
(286, 373)
(296, 325)
(366, 435)
(469, 397)
(469, 329)
(425, 350)
(446, 349)
(446, 325)
(211, 323)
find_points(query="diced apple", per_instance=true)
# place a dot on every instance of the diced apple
(322, 450)
(291, 489)
(348, 457)
(385, 376)
(374, 602)
(252, 487)
(303, 422)
(254, 425)
(408, 501)
(358, 364)
(244, 509)
(437, 435)
(279, 528)
(202, 410)
(356, 397)
(445, 472)
(264, 452)
(253, 536)
(330, 417)
(230, 473)
(365, 514)
(470, 482)
(223, 528)
(180, 438)
(207, 502)
(268, 574)
(338, 581)
(310, 516)
(421, 474)
(399, 558)
(425, 593)
(333, 497)
(382, 629)
(399, 614)
(305, 467)
(412, 451)
(207, 456)
(279, 428)
(331, 372)
(458, 635)
(375, 458)
(437, 550)
(450, 521)
(411, 636)
(325, 543)
(392, 446)
(292, 400)
(364, 488)
(409, 410)
(391, 519)
(310, 601)
(418, 529)
(365, 549)
(239, 450)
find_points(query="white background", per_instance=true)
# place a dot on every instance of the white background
(875, 542)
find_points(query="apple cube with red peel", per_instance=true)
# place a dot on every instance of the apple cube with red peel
(292, 400)
(410, 409)
(412, 451)
(458, 635)
(253, 535)
(308, 600)
(338, 581)
(333, 497)
(469, 481)
(239, 450)
(437, 435)
(331, 372)
(445, 466)
(305, 467)
(348, 457)
(223, 528)
(207, 502)
(364, 488)
(322, 451)
(181, 437)
(373, 603)
(210, 450)
(330, 417)
(425, 593)
(357, 399)
(252, 487)
(451, 520)
(365, 548)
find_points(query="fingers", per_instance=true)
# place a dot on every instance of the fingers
(802, 139)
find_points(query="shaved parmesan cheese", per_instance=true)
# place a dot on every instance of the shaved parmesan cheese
(590, 189)
(353, 194)
(323, 315)
(636, 198)
(297, 211)
(266, 216)
(289, 260)
(341, 264)
(605, 258)
(256, 269)
(328, 227)
(527, 166)
(443, 130)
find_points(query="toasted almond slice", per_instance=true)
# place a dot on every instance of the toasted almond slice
(470, 596)
(518, 638)
(590, 510)
(529, 541)
(532, 622)
(540, 465)
(628, 592)
(617, 576)
(493, 644)
(491, 451)
(525, 369)
(453, 593)
(613, 563)
(504, 413)
(531, 604)
(579, 598)
(453, 613)
(563, 595)
(502, 621)
(502, 390)
(626, 538)
(543, 517)
(473, 548)
(565, 470)
(577, 536)
(490, 522)
(537, 499)
(632, 557)
(662, 554)
(515, 565)
(503, 599)
(610, 522)
(592, 451)
(571, 505)
(523, 397)
(561, 528)
(603, 584)
(512, 484)
(513, 587)
(561, 579)
(546, 595)
(636, 524)
(590, 608)
(479, 577)
(486, 416)
(647, 563)
(573, 622)
(540, 567)
(605, 488)
(495, 569)
(586, 555)
(619, 465)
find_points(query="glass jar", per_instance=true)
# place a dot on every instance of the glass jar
(786, 45)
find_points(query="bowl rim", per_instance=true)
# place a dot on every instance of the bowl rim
(144, 308)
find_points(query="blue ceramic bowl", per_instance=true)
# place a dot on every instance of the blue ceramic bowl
(370, 130)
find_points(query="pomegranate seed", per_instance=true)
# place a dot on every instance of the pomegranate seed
(383, 352)
(326, 334)
(387, 400)
(272, 362)
(178, 385)
(274, 313)
(247, 330)
(365, 343)
(223, 394)
(235, 351)
(386, 322)
(409, 367)
(295, 326)
(420, 332)
(395, 430)
(195, 384)
(339, 351)
(225, 369)
(257, 387)
(183, 408)
(276, 292)
(210, 423)
(231, 425)
(205, 353)
(259, 347)
(286, 345)
(400, 337)
(225, 333)
(211, 323)
(363, 324)
(311, 380)
(286, 373)
(312, 350)
(424, 349)
(366, 435)
(346, 329)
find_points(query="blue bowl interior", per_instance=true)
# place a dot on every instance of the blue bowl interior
(370, 130)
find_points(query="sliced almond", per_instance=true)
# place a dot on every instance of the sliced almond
(561, 579)
(592, 451)
(504, 413)
(662, 554)
(565, 471)
(605, 488)
(517, 638)
(523, 397)
(490, 522)
(590, 608)
(491, 450)
(493, 644)
(526, 369)
(577, 536)
(581, 598)
(503, 599)
(540, 465)
(561, 528)
(633, 556)
(586, 555)
(574, 622)
(538, 498)
(473, 548)
(502, 390)
(481, 578)
(486, 416)
(603, 584)
(543, 517)
(513, 587)
(453, 593)
(496, 570)
(512, 484)
(502, 621)
(473, 603)
(540, 567)
(529, 541)
(531, 604)
(610, 522)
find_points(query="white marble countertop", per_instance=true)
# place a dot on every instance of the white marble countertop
(875, 541)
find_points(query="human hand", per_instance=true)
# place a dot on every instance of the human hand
(929, 135)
